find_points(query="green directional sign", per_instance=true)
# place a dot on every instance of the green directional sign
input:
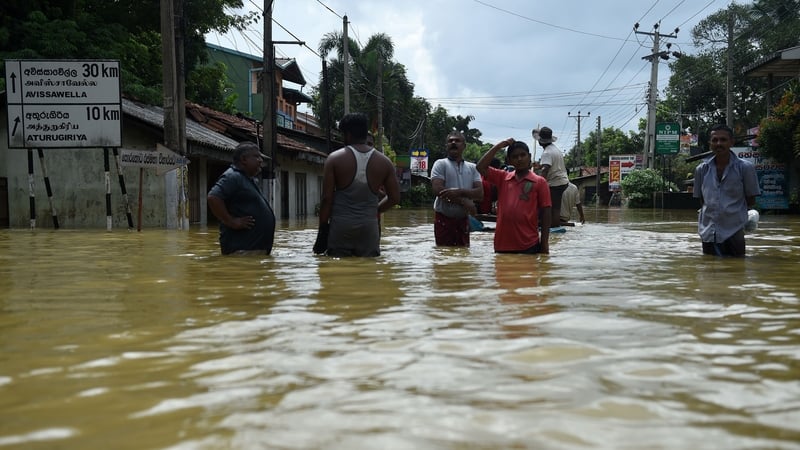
(668, 138)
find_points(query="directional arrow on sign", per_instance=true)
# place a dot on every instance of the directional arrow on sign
(168, 160)
(627, 164)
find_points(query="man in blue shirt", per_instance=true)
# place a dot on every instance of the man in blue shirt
(247, 222)
(727, 187)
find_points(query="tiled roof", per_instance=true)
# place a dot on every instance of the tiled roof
(154, 115)
(241, 126)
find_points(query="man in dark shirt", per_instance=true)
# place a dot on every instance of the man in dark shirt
(247, 222)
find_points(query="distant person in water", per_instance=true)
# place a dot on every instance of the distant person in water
(457, 186)
(569, 201)
(246, 220)
(352, 178)
(522, 196)
(553, 170)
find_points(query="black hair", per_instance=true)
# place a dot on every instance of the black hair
(721, 127)
(456, 133)
(244, 148)
(356, 124)
(516, 145)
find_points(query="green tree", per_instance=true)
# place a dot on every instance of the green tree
(369, 66)
(640, 185)
(613, 141)
(128, 30)
(409, 121)
(779, 134)
(696, 95)
(474, 151)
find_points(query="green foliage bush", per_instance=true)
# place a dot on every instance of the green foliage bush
(418, 195)
(640, 185)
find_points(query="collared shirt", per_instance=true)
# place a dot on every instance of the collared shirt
(569, 200)
(518, 203)
(243, 197)
(461, 175)
(557, 174)
(724, 210)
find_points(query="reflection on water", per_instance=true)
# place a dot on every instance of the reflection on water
(625, 336)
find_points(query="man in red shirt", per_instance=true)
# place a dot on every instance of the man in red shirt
(520, 197)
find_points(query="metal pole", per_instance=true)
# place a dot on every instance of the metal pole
(106, 166)
(122, 188)
(597, 178)
(346, 60)
(48, 189)
(31, 190)
(139, 212)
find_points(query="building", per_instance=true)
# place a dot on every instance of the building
(78, 177)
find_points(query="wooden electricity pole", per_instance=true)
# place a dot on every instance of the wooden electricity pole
(174, 100)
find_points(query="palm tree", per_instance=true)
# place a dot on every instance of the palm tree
(379, 86)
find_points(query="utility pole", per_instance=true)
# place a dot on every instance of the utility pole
(597, 179)
(650, 138)
(729, 83)
(174, 105)
(379, 137)
(269, 140)
(346, 61)
(578, 148)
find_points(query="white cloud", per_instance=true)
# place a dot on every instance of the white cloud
(513, 64)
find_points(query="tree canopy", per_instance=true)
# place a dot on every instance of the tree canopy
(127, 30)
(409, 121)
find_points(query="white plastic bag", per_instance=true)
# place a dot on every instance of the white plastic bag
(752, 220)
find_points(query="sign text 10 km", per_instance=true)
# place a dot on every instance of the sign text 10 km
(63, 103)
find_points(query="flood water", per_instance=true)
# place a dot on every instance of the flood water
(625, 336)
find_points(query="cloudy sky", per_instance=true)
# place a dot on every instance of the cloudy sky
(512, 64)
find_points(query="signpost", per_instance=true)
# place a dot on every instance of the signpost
(618, 168)
(63, 103)
(668, 138)
(419, 161)
(162, 160)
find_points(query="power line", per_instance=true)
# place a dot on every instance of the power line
(546, 23)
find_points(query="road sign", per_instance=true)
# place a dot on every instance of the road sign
(619, 166)
(162, 160)
(419, 160)
(668, 138)
(63, 103)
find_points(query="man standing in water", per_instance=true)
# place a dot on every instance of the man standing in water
(521, 196)
(352, 179)
(247, 222)
(457, 185)
(726, 186)
(553, 170)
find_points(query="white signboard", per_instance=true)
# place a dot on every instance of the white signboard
(163, 159)
(619, 166)
(419, 164)
(63, 103)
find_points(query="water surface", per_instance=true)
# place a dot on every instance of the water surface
(625, 336)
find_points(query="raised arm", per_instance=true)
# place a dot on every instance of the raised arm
(486, 159)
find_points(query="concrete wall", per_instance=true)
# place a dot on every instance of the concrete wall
(313, 188)
(78, 182)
